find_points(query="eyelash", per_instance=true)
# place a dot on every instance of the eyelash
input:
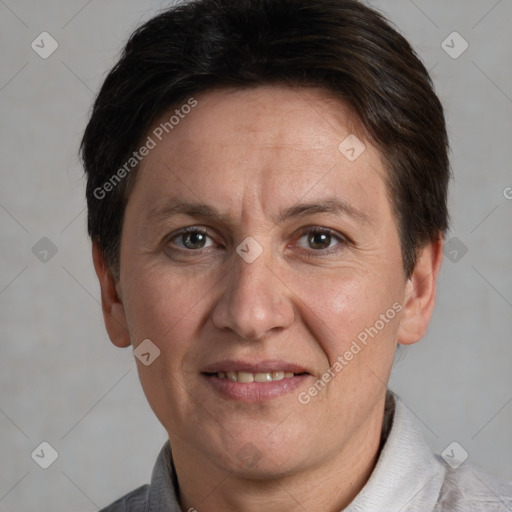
(342, 240)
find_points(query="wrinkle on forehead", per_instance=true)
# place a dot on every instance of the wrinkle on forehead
(260, 150)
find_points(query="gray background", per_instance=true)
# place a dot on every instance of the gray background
(62, 381)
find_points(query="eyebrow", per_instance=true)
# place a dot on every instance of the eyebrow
(333, 205)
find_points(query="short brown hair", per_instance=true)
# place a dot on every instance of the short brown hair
(342, 46)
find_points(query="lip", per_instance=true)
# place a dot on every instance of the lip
(254, 391)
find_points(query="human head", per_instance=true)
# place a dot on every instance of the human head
(251, 145)
(341, 46)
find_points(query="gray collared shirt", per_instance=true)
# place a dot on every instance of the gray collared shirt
(408, 477)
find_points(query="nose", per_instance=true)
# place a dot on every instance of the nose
(255, 299)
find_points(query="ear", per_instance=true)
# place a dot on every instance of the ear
(421, 293)
(113, 310)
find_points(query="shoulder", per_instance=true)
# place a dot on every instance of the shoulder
(468, 488)
(134, 501)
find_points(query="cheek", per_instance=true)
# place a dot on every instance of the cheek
(167, 309)
(162, 305)
(344, 297)
(349, 309)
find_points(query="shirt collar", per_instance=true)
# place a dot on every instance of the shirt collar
(164, 484)
(407, 476)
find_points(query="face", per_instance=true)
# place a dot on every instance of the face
(257, 257)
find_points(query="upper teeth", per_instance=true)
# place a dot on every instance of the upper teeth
(254, 377)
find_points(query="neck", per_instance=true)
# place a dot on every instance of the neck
(330, 484)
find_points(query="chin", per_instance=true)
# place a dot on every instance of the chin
(254, 456)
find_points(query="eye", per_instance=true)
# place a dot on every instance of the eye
(315, 239)
(321, 239)
(191, 239)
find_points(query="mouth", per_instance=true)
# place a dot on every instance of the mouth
(247, 377)
(253, 382)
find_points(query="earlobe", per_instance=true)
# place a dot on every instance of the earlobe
(114, 314)
(421, 293)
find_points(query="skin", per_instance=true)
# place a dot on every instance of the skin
(250, 154)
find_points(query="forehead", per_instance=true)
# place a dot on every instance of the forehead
(273, 143)
(265, 114)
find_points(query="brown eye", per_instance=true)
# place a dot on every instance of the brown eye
(322, 240)
(319, 240)
(192, 239)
